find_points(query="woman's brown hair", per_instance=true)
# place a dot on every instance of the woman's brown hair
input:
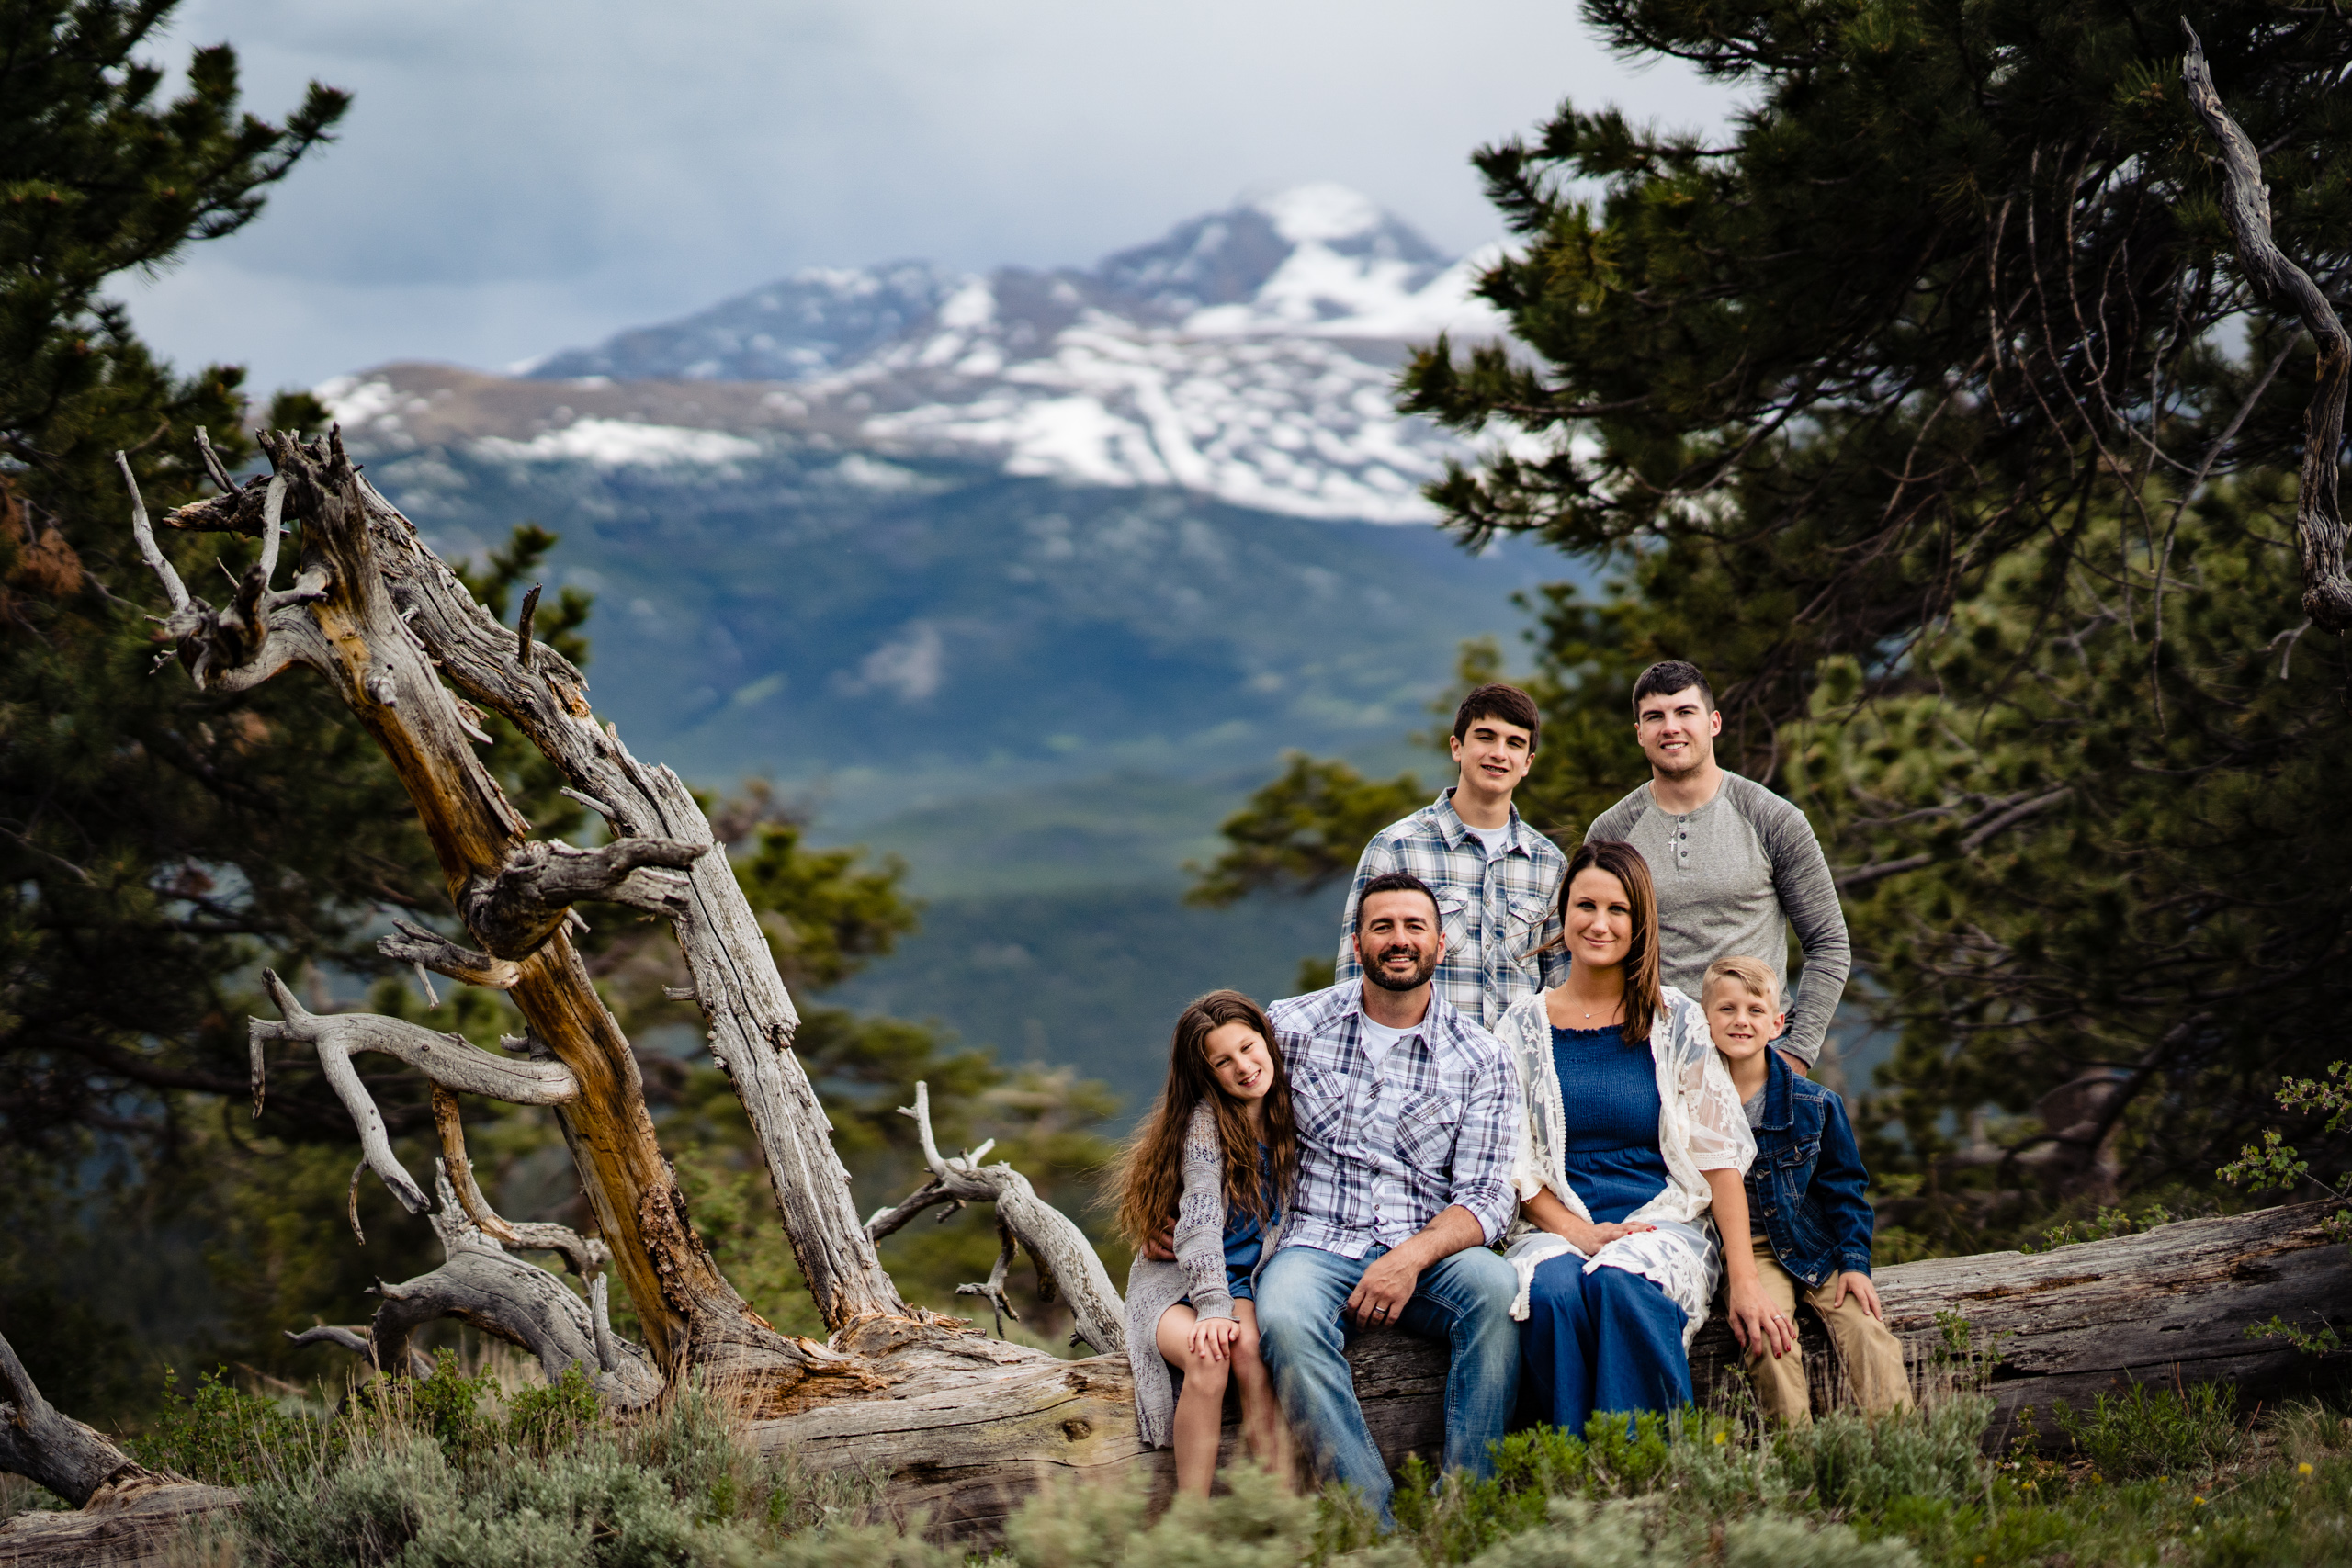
(1148, 1179)
(1644, 998)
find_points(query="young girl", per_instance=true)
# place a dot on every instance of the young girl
(1215, 1155)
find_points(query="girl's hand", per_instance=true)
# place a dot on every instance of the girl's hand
(1590, 1239)
(1858, 1284)
(1756, 1324)
(1213, 1337)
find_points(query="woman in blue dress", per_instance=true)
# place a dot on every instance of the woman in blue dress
(1630, 1134)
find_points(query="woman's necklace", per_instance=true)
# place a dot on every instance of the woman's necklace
(1576, 1001)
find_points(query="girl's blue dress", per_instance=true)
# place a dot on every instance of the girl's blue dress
(1611, 1339)
(1245, 1236)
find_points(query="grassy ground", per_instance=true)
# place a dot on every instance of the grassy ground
(489, 1473)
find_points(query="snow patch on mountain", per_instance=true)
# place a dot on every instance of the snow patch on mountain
(617, 443)
(1249, 354)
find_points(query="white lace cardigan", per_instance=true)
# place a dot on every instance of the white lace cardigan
(1701, 1128)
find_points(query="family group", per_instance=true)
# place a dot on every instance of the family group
(1553, 1106)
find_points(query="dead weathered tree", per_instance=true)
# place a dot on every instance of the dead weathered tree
(392, 630)
(2280, 285)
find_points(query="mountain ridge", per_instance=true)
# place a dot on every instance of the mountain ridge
(1249, 356)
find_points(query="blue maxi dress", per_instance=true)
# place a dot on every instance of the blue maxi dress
(1609, 1340)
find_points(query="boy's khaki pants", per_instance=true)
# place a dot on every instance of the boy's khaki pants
(1866, 1351)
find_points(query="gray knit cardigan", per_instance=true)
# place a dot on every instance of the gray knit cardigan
(1197, 1277)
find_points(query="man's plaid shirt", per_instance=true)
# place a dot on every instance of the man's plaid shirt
(1495, 912)
(1381, 1155)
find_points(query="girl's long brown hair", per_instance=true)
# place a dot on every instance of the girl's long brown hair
(1644, 998)
(1149, 1176)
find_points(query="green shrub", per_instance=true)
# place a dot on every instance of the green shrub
(553, 1416)
(1850, 1461)
(856, 1546)
(221, 1434)
(1650, 1533)
(363, 1510)
(2159, 1432)
(1256, 1523)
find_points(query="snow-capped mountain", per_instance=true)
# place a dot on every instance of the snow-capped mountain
(1247, 355)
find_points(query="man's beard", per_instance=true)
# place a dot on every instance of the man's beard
(1423, 970)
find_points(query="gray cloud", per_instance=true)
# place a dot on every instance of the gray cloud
(525, 176)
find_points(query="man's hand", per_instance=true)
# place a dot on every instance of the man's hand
(1796, 1063)
(1756, 1324)
(1161, 1248)
(1858, 1283)
(1379, 1298)
(1213, 1337)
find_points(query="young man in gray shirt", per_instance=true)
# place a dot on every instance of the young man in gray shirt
(1734, 864)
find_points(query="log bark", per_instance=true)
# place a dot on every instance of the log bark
(2168, 1305)
(144, 1528)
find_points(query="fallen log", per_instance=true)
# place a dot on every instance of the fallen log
(2170, 1305)
(145, 1527)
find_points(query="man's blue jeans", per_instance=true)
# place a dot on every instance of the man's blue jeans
(1464, 1300)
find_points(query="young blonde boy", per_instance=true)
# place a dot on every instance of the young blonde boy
(1805, 1198)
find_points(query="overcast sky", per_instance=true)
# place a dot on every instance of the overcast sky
(534, 175)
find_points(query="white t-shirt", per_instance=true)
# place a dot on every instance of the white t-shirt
(1495, 840)
(1379, 1040)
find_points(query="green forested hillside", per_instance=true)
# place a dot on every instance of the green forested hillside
(907, 634)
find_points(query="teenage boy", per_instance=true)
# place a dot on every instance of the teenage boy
(1734, 865)
(1497, 880)
(1407, 1119)
(1806, 1191)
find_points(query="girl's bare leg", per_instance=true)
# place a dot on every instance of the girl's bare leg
(1262, 1427)
(1200, 1409)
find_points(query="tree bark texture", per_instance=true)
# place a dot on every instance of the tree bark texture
(141, 1529)
(2282, 285)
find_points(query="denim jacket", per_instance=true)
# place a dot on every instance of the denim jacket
(1805, 1189)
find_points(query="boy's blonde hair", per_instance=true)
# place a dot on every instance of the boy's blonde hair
(1752, 973)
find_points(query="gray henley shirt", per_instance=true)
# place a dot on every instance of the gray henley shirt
(1731, 877)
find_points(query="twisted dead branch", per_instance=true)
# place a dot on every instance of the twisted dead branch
(1065, 1260)
(2280, 285)
(451, 1061)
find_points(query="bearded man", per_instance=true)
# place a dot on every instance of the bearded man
(1406, 1114)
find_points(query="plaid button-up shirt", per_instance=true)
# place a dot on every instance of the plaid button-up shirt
(1381, 1155)
(1495, 912)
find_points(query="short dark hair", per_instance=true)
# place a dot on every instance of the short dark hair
(1669, 676)
(1393, 882)
(1494, 700)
